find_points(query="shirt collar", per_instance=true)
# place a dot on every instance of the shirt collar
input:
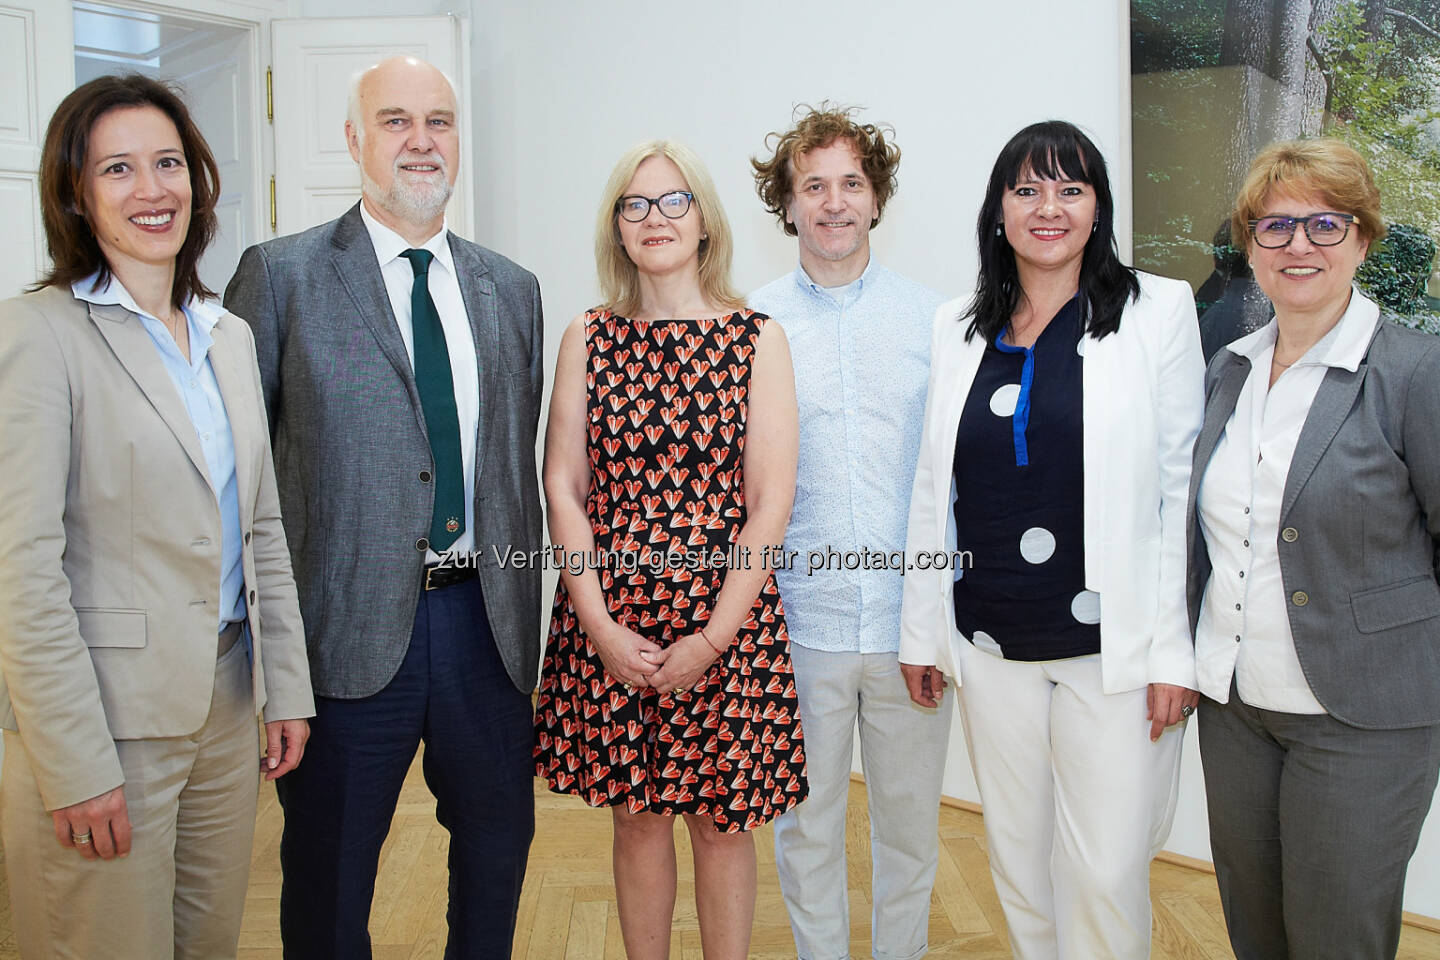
(803, 281)
(1344, 345)
(389, 245)
(202, 314)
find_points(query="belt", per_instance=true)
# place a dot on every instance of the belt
(446, 575)
(227, 638)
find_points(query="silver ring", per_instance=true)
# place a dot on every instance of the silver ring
(80, 838)
(1186, 710)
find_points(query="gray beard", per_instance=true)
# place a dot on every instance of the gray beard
(404, 201)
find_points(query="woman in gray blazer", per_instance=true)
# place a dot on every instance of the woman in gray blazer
(1314, 516)
(147, 610)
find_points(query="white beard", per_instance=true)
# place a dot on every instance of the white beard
(412, 202)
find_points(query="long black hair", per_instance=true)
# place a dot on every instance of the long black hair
(1052, 150)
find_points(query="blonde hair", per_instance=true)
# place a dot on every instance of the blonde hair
(619, 278)
(1326, 167)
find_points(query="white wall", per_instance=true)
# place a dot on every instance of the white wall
(561, 89)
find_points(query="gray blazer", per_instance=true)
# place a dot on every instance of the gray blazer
(1359, 529)
(350, 446)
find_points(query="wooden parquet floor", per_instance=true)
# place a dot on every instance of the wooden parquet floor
(567, 910)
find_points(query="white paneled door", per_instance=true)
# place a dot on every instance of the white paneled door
(36, 38)
(315, 179)
(220, 88)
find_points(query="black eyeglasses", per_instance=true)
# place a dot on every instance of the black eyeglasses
(1323, 229)
(673, 205)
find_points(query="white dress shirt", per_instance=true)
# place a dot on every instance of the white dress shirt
(399, 278)
(1244, 626)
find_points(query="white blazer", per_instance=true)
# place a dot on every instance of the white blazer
(1143, 405)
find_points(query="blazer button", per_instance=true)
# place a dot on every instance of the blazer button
(252, 596)
(1289, 534)
(247, 536)
(422, 544)
(424, 476)
(1300, 598)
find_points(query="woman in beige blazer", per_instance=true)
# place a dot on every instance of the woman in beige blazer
(147, 610)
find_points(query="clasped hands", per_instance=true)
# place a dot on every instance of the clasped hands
(638, 662)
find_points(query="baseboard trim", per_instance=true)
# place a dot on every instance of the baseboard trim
(1416, 920)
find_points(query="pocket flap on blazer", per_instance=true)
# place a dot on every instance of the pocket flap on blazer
(100, 627)
(1397, 604)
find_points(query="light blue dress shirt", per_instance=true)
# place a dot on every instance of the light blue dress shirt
(861, 365)
(194, 380)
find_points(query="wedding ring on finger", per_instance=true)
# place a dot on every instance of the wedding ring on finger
(80, 839)
(1186, 710)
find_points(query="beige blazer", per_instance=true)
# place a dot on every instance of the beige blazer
(110, 542)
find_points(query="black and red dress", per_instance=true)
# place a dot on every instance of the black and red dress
(666, 414)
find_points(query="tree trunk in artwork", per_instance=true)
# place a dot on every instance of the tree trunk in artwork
(1269, 37)
(1266, 38)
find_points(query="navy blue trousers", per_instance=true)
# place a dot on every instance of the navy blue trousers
(452, 693)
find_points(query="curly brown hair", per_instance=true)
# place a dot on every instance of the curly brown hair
(817, 128)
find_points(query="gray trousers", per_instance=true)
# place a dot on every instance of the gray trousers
(1312, 825)
(902, 748)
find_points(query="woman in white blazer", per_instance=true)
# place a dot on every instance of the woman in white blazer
(1064, 399)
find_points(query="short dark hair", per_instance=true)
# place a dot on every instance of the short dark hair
(817, 128)
(74, 251)
(1051, 150)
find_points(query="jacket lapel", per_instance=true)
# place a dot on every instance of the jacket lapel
(136, 352)
(1101, 377)
(477, 290)
(1331, 405)
(1219, 407)
(358, 272)
(227, 359)
(950, 399)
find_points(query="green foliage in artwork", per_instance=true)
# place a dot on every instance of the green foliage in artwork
(1398, 267)
(1382, 96)
(1395, 274)
(1383, 86)
(1171, 35)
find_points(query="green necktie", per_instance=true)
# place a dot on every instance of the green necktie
(437, 402)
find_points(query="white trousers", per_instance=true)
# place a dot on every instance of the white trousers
(902, 750)
(1077, 801)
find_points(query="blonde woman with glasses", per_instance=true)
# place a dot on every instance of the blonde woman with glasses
(669, 471)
